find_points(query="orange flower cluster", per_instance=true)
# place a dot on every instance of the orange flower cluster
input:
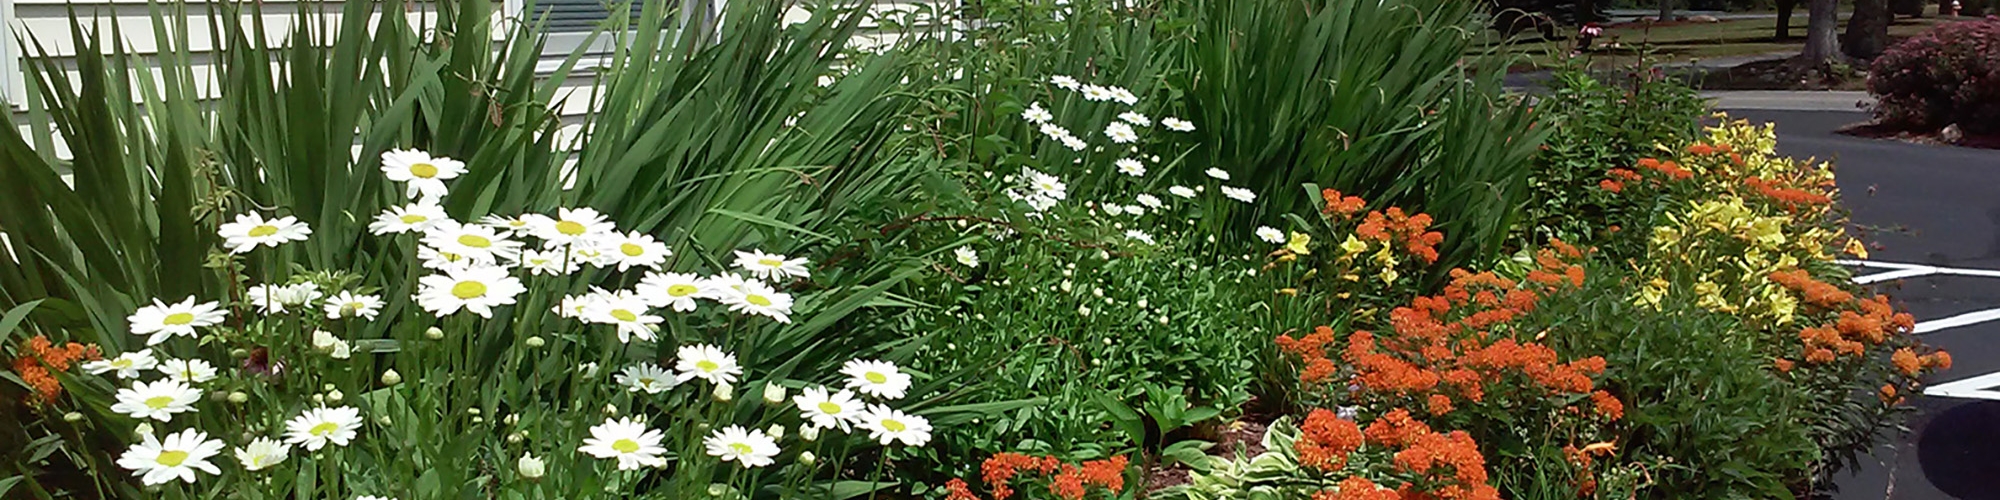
(1067, 481)
(1669, 168)
(1909, 363)
(1814, 291)
(1790, 197)
(1412, 230)
(42, 359)
(1346, 206)
(1859, 324)
(1610, 185)
(1452, 459)
(1358, 488)
(1325, 439)
(1700, 149)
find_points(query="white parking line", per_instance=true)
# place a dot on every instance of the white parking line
(1902, 270)
(1970, 318)
(1979, 387)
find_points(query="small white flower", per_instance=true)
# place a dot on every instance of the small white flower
(1239, 194)
(439, 261)
(965, 256)
(1150, 201)
(530, 467)
(1064, 82)
(1036, 114)
(1096, 93)
(1139, 235)
(1045, 186)
(1130, 167)
(825, 410)
(748, 448)
(1177, 125)
(675, 290)
(636, 249)
(161, 321)
(705, 362)
(480, 243)
(348, 304)
(1181, 191)
(1054, 131)
(569, 226)
(319, 426)
(476, 289)
(127, 365)
(1123, 96)
(251, 230)
(627, 440)
(419, 216)
(333, 346)
(825, 80)
(178, 456)
(277, 299)
(514, 226)
(262, 452)
(1271, 235)
(625, 310)
(1073, 143)
(646, 377)
(770, 266)
(423, 174)
(548, 262)
(722, 286)
(886, 425)
(1136, 119)
(880, 379)
(1121, 133)
(1217, 173)
(757, 298)
(192, 371)
(159, 400)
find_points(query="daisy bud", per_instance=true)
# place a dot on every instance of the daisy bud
(217, 396)
(512, 419)
(806, 457)
(724, 392)
(434, 333)
(318, 399)
(143, 428)
(809, 433)
(535, 341)
(72, 417)
(390, 377)
(239, 397)
(1097, 292)
(531, 467)
(1142, 303)
(239, 353)
(514, 438)
(776, 431)
(610, 411)
(774, 394)
(478, 420)
(1065, 286)
(382, 420)
(335, 396)
(327, 387)
(1083, 310)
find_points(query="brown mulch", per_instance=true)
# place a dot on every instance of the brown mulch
(1245, 434)
(1874, 130)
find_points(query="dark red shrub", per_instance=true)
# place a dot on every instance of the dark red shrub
(1950, 74)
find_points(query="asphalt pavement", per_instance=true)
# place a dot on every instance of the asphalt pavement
(1935, 213)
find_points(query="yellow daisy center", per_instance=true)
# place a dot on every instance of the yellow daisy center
(158, 402)
(624, 315)
(646, 382)
(829, 408)
(474, 241)
(468, 289)
(876, 377)
(179, 318)
(424, 170)
(121, 363)
(631, 250)
(263, 230)
(323, 429)
(625, 446)
(894, 425)
(706, 365)
(172, 458)
(760, 300)
(413, 218)
(771, 262)
(681, 290)
(740, 448)
(571, 228)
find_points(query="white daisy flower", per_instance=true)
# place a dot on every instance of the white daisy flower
(1181, 191)
(705, 362)
(547, 262)
(424, 176)
(1073, 143)
(1271, 235)
(569, 225)
(880, 379)
(722, 286)
(748, 448)
(673, 290)
(1217, 173)
(769, 265)
(250, 230)
(826, 410)
(480, 243)
(319, 426)
(636, 249)
(757, 298)
(1176, 124)
(158, 400)
(1112, 209)
(127, 365)
(1136, 119)
(1036, 114)
(625, 310)
(1139, 235)
(965, 256)
(1123, 96)
(1150, 201)
(277, 299)
(262, 452)
(192, 371)
(439, 261)
(419, 217)
(646, 377)
(178, 456)
(348, 304)
(1239, 194)
(886, 425)
(514, 226)
(1121, 133)
(1064, 82)
(627, 440)
(476, 289)
(573, 306)
(333, 346)
(1130, 167)
(1045, 185)
(592, 251)
(1096, 93)
(1054, 131)
(161, 320)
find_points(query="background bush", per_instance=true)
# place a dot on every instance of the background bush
(1948, 75)
(1596, 126)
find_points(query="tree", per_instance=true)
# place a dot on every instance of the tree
(1666, 10)
(1908, 8)
(1785, 18)
(1822, 21)
(1867, 30)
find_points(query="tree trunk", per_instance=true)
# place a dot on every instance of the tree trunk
(1785, 18)
(1822, 44)
(1666, 10)
(1907, 8)
(1867, 30)
(1974, 8)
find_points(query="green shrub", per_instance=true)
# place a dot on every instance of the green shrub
(1595, 127)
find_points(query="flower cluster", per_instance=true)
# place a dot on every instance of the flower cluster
(1066, 481)
(1431, 464)
(41, 359)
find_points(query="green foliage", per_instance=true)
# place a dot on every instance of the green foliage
(1597, 126)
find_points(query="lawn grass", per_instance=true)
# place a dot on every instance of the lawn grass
(1674, 43)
